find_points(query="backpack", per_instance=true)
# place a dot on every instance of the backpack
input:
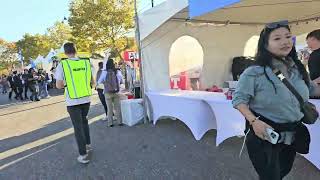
(111, 84)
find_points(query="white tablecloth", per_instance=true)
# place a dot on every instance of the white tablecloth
(203, 111)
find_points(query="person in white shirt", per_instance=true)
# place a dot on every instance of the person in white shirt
(78, 107)
(111, 78)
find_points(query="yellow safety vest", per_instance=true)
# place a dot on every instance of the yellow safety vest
(77, 74)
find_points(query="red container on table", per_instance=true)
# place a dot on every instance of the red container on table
(183, 84)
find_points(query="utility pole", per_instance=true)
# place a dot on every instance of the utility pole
(138, 40)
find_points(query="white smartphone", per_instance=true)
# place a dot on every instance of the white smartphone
(272, 136)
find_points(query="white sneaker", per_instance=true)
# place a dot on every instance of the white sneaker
(83, 159)
(105, 119)
(88, 148)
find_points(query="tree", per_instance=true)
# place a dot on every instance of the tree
(33, 45)
(102, 24)
(58, 34)
(8, 54)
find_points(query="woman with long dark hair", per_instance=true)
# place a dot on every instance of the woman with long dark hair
(266, 103)
(112, 78)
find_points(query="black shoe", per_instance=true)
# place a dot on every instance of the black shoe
(121, 124)
(37, 99)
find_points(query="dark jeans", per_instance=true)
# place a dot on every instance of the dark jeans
(272, 162)
(103, 100)
(78, 115)
(34, 91)
(13, 89)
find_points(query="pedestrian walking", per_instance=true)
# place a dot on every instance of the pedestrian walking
(100, 90)
(112, 78)
(76, 76)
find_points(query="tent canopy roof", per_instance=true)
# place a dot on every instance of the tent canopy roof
(256, 12)
(261, 11)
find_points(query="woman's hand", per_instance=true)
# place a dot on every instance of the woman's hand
(260, 128)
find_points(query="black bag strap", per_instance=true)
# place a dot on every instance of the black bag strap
(283, 79)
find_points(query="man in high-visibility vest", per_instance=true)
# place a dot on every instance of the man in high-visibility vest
(76, 76)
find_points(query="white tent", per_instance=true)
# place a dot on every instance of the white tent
(49, 57)
(39, 60)
(222, 33)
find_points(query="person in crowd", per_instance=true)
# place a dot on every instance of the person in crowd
(41, 83)
(1, 84)
(266, 102)
(313, 41)
(100, 89)
(33, 84)
(112, 78)
(44, 84)
(17, 81)
(53, 81)
(76, 76)
(12, 87)
(25, 77)
(4, 83)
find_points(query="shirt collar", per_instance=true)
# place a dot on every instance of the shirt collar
(279, 63)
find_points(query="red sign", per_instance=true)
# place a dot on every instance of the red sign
(130, 55)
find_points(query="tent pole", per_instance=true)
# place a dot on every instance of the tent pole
(138, 40)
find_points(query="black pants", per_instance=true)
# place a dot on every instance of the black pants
(26, 87)
(78, 115)
(20, 92)
(13, 89)
(103, 100)
(272, 162)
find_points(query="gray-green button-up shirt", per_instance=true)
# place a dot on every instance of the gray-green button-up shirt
(281, 106)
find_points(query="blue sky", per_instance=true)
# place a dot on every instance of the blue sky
(18, 17)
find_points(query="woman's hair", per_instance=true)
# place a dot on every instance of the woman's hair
(110, 65)
(264, 57)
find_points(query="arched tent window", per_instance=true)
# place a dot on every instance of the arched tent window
(185, 63)
(251, 46)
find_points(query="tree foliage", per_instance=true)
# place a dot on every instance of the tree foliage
(58, 34)
(102, 24)
(8, 54)
(34, 45)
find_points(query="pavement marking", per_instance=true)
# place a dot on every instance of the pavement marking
(28, 109)
(36, 107)
(25, 157)
(43, 141)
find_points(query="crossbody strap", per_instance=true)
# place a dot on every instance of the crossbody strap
(284, 80)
